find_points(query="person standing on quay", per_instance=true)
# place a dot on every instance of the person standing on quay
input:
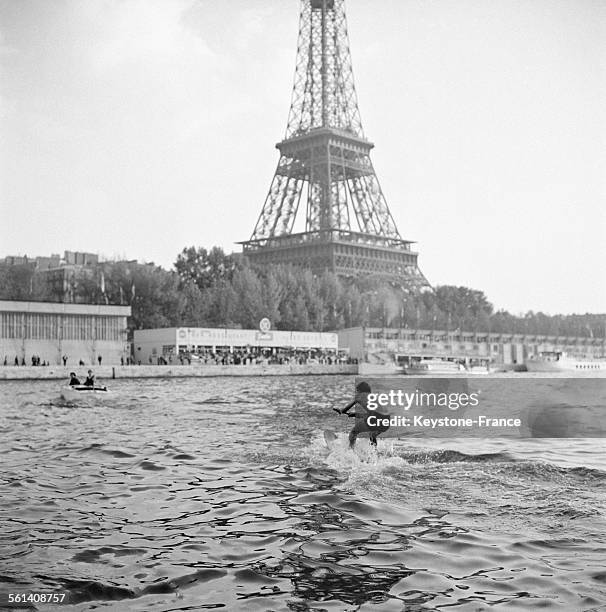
(64, 360)
(99, 359)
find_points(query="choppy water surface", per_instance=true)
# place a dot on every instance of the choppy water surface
(220, 494)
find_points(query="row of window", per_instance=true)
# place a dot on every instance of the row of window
(66, 327)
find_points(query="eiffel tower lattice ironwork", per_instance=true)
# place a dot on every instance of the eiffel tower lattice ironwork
(325, 167)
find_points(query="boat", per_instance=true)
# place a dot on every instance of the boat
(84, 392)
(378, 369)
(430, 365)
(559, 361)
(418, 365)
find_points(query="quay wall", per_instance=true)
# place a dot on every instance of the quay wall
(104, 373)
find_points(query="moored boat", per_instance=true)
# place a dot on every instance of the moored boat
(424, 366)
(559, 361)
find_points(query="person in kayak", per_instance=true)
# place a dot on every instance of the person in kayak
(361, 415)
(90, 379)
(73, 379)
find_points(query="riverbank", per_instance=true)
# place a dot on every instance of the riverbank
(173, 371)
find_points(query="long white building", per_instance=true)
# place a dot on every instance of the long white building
(387, 345)
(172, 341)
(51, 331)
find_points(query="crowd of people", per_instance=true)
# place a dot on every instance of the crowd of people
(252, 356)
(260, 357)
(37, 361)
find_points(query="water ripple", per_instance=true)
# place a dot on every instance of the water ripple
(226, 498)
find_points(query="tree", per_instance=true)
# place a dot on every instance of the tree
(309, 290)
(158, 300)
(221, 301)
(331, 292)
(300, 315)
(249, 308)
(271, 296)
(203, 267)
(194, 306)
(21, 282)
(286, 278)
(351, 306)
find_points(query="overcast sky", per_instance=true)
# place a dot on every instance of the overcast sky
(134, 128)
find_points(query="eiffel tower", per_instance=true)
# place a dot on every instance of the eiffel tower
(325, 165)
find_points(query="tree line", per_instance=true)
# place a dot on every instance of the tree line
(209, 288)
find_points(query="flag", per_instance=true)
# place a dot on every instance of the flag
(105, 298)
(132, 293)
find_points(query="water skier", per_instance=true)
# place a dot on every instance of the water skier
(361, 415)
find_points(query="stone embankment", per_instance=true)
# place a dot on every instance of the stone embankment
(172, 371)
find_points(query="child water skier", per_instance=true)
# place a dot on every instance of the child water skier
(361, 415)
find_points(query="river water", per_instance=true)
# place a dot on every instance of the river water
(196, 494)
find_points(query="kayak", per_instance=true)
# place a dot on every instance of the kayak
(79, 392)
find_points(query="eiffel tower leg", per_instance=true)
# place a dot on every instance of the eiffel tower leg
(279, 211)
(362, 207)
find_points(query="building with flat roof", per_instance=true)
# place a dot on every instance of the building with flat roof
(379, 345)
(60, 275)
(170, 342)
(52, 261)
(50, 331)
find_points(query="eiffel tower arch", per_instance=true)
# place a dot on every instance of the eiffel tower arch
(325, 177)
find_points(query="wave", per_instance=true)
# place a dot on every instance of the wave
(549, 471)
(508, 463)
(586, 472)
(388, 459)
(79, 591)
(453, 456)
